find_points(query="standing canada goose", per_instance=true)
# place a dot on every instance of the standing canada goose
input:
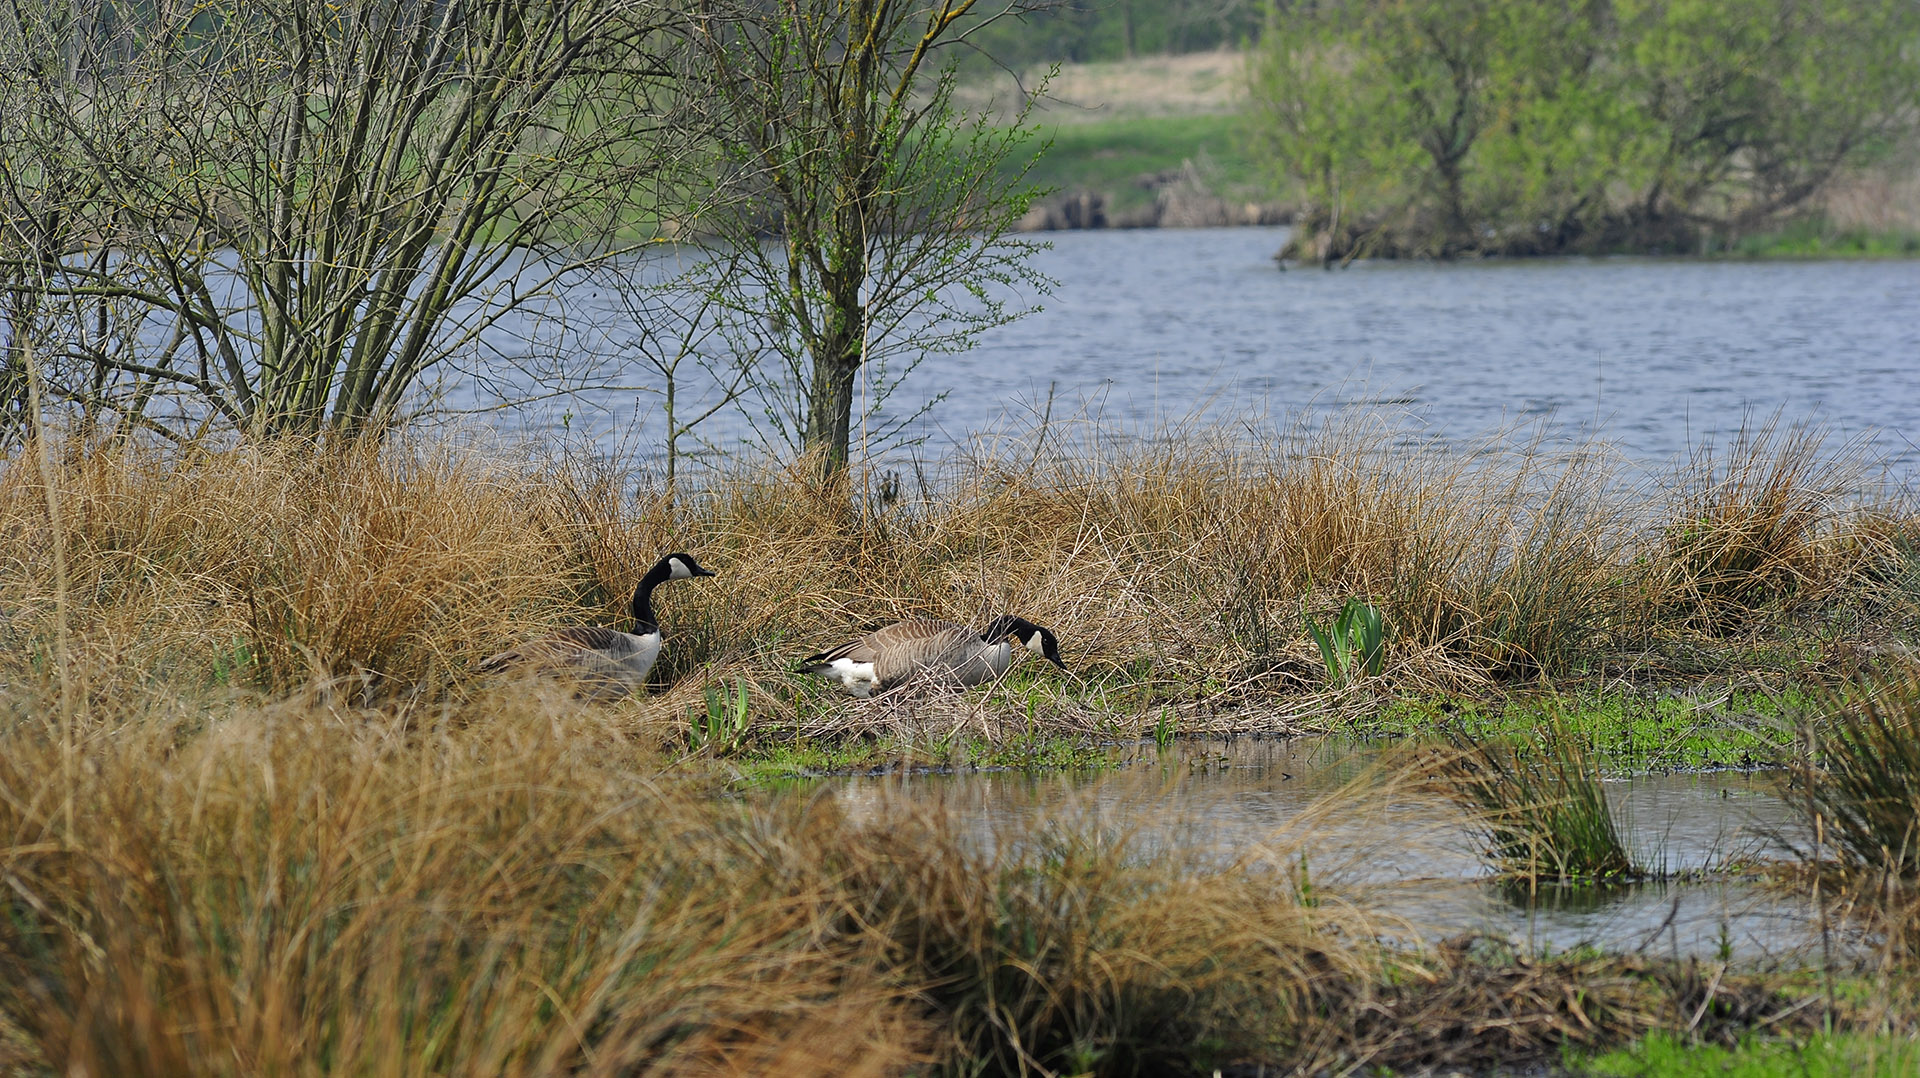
(890, 655)
(607, 663)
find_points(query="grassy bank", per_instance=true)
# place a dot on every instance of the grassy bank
(1821, 237)
(1843, 1056)
(1127, 129)
(1178, 576)
(1712, 724)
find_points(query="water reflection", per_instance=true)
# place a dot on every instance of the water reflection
(1361, 830)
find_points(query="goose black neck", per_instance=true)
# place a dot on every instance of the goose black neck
(1006, 624)
(644, 622)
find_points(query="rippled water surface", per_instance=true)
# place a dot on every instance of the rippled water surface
(1648, 352)
(1410, 855)
(1152, 327)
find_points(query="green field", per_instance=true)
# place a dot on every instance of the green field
(1844, 1056)
(1112, 156)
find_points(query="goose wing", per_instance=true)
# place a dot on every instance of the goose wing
(896, 651)
(905, 648)
(581, 646)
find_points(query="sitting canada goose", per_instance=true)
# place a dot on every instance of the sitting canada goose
(607, 663)
(890, 655)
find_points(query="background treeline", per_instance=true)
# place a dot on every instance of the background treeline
(1464, 127)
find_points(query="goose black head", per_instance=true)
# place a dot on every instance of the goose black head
(675, 566)
(1033, 637)
(681, 566)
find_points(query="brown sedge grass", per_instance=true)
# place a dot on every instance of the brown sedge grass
(309, 886)
(1174, 569)
(1761, 520)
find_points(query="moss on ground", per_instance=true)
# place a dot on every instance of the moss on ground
(1846, 1055)
(1697, 728)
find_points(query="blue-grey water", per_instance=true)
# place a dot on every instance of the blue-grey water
(1149, 330)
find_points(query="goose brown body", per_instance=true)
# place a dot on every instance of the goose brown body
(930, 648)
(606, 664)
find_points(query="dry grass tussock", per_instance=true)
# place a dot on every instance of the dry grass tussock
(1859, 792)
(276, 565)
(301, 889)
(1172, 569)
(1753, 524)
(307, 887)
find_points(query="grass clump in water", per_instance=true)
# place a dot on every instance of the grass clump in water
(1866, 793)
(1540, 808)
(1067, 951)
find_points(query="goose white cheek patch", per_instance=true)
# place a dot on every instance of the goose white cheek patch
(1037, 644)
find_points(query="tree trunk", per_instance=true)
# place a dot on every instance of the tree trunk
(830, 409)
(841, 349)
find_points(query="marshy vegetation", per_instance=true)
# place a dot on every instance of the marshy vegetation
(258, 814)
(1180, 571)
(1542, 809)
(307, 886)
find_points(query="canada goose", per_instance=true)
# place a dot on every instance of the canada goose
(890, 655)
(607, 663)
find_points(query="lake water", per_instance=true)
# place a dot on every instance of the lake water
(1148, 329)
(1408, 854)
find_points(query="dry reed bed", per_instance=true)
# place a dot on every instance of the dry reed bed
(306, 888)
(1172, 571)
(520, 888)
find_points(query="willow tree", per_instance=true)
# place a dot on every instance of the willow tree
(1459, 127)
(294, 210)
(892, 213)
